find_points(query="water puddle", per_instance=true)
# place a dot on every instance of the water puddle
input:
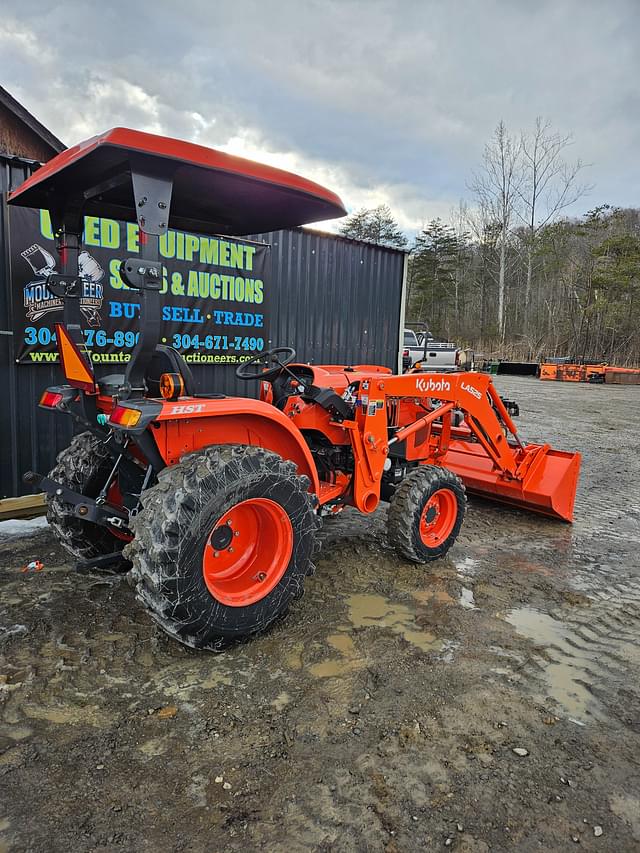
(432, 596)
(293, 658)
(215, 679)
(115, 637)
(343, 644)
(466, 599)
(17, 732)
(376, 611)
(183, 680)
(468, 567)
(281, 701)
(568, 673)
(333, 668)
(349, 660)
(65, 714)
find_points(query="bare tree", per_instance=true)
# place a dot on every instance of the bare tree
(549, 185)
(484, 233)
(459, 221)
(497, 188)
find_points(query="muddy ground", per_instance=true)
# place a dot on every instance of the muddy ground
(382, 715)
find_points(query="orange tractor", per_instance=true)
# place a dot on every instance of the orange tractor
(214, 502)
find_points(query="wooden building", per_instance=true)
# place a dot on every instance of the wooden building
(22, 135)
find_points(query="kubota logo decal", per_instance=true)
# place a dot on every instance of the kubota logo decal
(471, 390)
(430, 384)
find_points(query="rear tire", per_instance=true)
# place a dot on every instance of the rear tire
(177, 570)
(83, 467)
(426, 513)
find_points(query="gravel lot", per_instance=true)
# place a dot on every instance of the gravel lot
(491, 702)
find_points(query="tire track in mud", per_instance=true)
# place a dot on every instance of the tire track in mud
(584, 654)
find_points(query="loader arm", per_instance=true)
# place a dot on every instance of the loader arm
(466, 428)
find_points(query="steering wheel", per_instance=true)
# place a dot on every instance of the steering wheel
(262, 359)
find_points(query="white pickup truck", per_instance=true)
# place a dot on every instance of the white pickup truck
(438, 356)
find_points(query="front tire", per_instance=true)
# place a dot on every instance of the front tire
(426, 513)
(223, 544)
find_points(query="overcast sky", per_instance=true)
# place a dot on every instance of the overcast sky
(381, 101)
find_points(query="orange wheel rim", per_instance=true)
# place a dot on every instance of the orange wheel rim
(438, 518)
(247, 552)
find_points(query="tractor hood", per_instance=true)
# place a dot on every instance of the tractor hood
(213, 192)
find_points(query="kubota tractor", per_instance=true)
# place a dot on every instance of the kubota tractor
(215, 502)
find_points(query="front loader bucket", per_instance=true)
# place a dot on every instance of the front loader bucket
(545, 482)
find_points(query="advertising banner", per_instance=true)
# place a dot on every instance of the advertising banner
(215, 293)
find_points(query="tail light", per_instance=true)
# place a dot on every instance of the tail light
(123, 417)
(405, 352)
(51, 399)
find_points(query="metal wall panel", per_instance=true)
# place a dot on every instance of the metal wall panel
(29, 439)
(334, 300)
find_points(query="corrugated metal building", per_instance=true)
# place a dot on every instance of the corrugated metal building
(334, 300)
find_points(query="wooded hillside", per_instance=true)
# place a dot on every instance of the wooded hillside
(510, 273)
(584, 299)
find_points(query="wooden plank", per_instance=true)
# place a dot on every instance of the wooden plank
(28, 506)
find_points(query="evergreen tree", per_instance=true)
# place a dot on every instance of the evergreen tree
(433, 276)
(374, 225)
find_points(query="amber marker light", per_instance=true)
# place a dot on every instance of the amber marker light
(123, 417)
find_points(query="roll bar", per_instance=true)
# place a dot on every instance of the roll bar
(152, 188)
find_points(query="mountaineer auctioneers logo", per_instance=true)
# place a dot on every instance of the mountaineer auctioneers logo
(38, 299)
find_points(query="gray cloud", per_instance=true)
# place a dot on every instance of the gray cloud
(384, 101)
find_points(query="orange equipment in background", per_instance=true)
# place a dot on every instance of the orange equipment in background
(596, 374)
(622, 376)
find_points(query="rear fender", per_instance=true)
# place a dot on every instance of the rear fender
(191, 423)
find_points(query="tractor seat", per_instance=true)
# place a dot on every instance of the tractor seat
(164, 360)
